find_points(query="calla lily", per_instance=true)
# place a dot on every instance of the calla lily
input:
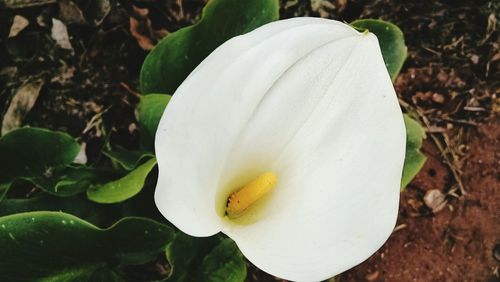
(289, 140)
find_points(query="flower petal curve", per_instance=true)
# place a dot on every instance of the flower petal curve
(212, 106)
(310, 100)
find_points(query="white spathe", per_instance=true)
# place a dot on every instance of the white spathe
(310, 100)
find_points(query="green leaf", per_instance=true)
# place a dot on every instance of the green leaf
(3, 190)
(184, 253)
(143, 204)
(171, 61)
(224, 263)
(100, 274)
(124, 188)
(150, 110)
(79, 205)
(34, 154)
(414, 159)
(415, 133)
(128, 159)
(54, 246)
(205, 259)
(73, 180)
(391, 40)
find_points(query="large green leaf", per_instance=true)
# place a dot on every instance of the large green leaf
(414, 159)
(224, 263)
(34, 154)
(54, 246)
(185, 254)
(78, 205)
(124, 188)
(149, 111)
(391, 40)
(171, 61)
(205, 259)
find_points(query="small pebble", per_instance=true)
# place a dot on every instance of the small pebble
(475, 59)
(372, 276)
(435, 200)
(438, 98)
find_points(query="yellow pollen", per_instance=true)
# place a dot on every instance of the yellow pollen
(240, 200)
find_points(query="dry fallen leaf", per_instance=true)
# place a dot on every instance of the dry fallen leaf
(142, 31)
(97, 10)
(69, 12)
(60, 34)
(16, 4)
(19, 23)
(145, 42)
(91, 12)
(324, 7)
(9, 72)
(64, 76)
(21, 104)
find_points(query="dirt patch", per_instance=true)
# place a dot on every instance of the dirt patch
(455, 244)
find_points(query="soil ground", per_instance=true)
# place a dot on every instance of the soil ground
(450, 82)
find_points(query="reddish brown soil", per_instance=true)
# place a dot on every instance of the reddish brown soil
(455, 244)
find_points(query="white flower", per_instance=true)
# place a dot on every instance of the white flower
(303, 114)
